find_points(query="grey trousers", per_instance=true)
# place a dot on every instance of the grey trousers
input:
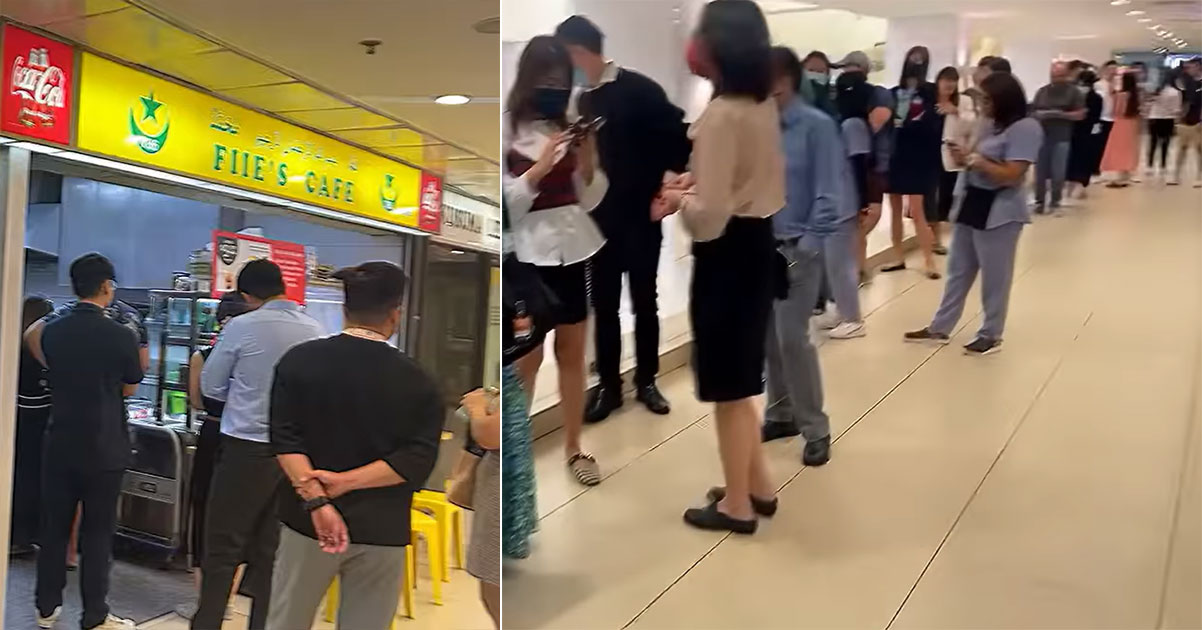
(1053, 165)
(793, 373)
(369, 578)
(992, 253)
(840, 266)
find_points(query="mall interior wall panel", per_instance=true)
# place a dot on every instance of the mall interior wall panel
(43, 227)
(147, 235)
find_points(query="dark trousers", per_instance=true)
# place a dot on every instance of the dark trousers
(636, 254)
(27, 475)
(241, 527)
(64, 486)
(1160, 131)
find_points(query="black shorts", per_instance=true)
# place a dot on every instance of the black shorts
(569, 285)
(731, 300)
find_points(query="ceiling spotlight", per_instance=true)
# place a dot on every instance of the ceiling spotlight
(452, 99)
(1144, 20)
(1136, 12)
(1119, 3)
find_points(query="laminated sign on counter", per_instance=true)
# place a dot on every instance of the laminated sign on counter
(232, 251)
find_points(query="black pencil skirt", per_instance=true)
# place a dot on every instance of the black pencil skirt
(731, 301)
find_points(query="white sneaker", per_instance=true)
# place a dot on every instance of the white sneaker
(848, 330)
(116, 623)
(48, 622)
(828, 320)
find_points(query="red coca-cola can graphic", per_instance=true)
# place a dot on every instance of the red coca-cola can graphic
(429, 215)
(38, 73)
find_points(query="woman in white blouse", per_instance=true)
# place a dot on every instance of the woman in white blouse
(959, 125)
(734, 185)
(551, 183)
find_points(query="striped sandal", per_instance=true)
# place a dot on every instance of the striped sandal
(584, 468)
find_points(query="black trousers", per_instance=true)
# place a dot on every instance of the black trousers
(66, 484)
(241, 527)
(636, 254)
(27, 475)
(1160, 131)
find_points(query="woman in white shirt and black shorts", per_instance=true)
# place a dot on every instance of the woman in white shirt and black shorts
(552, 181)
(734, 185)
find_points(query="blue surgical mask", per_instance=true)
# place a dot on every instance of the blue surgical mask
(550, 103)
(579, 78)
(817, 77)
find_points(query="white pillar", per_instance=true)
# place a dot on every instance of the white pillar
(14, 193)
(939, 33)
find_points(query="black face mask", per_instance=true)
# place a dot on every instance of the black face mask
(551, 103)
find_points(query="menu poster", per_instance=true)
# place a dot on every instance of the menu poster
(232, 251)
(429, 215)
(38, 73)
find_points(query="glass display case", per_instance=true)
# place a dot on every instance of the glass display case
(179, 323)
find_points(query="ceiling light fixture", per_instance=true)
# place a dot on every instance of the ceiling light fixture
(1144, 20)
(453, 99)
(1136, 12)
(1076, 37)
(1119, 3)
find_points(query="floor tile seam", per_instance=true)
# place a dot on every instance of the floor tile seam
(1182, 483)
(677, 580)
(981, 482)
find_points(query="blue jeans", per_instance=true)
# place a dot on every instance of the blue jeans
(1053, 165)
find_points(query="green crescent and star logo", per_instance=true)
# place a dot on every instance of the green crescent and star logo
(149, 125)
(388, 194)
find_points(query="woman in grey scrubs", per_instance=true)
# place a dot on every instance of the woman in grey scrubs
(990, 212)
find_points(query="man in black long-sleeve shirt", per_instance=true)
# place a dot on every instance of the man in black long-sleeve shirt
(355, 425)
(644, 135)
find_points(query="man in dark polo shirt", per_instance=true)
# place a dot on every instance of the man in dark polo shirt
(93, 363)
(644, 136)
(355, 425)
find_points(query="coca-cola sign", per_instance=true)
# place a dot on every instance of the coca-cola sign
(429, 214)
(36, 98)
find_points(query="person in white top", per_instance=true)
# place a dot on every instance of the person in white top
(1106, 86)
(551, 182)
(735, 184)
(959, 128)
(1164, 108)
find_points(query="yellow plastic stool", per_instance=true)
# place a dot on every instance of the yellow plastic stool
(424, 525)
(450, 522)
(332, 594)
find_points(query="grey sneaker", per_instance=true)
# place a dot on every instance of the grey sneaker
(48, 621)
(981, 346)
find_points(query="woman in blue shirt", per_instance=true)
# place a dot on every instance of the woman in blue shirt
(992, 210)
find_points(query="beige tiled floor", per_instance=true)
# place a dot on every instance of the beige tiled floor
(1057, 484)
(461, 609)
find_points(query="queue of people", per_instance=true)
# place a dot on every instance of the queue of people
(279, 486)
(782, 178)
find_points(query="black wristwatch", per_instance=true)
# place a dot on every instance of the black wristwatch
(316, 503)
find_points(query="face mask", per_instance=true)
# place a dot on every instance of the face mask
(579, 78)
(551, 102)
(1084, 89)
(817, 77)
(698, 59)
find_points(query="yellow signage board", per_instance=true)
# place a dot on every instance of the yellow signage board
(137, 117)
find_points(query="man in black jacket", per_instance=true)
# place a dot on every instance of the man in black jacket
(643, 136)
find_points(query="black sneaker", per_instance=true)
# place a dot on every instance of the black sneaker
(926, 336)
(982, 346)
(894, 267)
(651, 397)
(602, 401)
(763, 507)
(777, 430)
(710, 518)
(817, 453)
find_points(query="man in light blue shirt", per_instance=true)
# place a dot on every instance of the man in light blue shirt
(242, 523)
(820, 208)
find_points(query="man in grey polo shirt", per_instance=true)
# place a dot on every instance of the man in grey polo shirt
(1058, 105)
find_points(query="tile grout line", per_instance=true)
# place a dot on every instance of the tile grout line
(971, 497)
(1191, 436)
(677, 580)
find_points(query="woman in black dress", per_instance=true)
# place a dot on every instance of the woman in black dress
(726, 201)
(33, 414)
(230, 306)
(1086, 150)
(915, 163)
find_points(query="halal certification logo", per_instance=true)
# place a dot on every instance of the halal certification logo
(149, 123)
(388, 194)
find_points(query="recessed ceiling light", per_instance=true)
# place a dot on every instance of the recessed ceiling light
(1118, 3)
(1144, 20)
(488, 26)
(452, 99)
(1136, 12)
